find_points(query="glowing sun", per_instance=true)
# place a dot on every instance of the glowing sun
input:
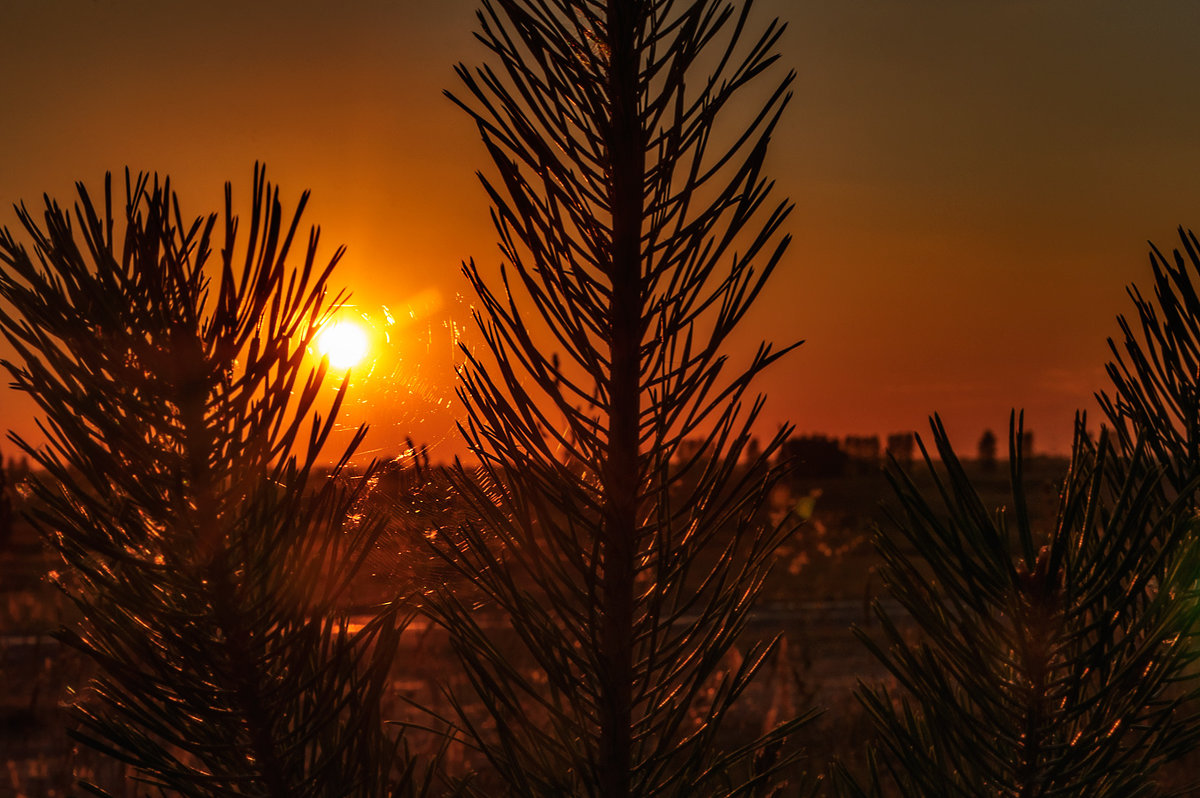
(344, 343)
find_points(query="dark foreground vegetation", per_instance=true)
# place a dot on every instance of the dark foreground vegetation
(623, 593)
(823, 582)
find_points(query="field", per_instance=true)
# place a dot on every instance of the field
(824, 583)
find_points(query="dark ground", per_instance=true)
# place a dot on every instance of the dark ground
(823, 584)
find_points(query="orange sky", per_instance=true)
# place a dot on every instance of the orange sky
(975, 181)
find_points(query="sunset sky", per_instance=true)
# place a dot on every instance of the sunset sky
(975, 181)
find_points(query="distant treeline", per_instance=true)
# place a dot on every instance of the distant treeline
(816, 456)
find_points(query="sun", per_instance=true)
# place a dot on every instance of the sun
(344, 343)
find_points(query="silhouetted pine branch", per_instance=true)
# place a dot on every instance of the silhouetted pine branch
(203, 552)
(637, 233)
(1047, 662)
(1156, 368)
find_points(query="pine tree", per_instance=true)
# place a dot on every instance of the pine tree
(204, 554)
(1046, 662)
(1155, 372)
(637, 233)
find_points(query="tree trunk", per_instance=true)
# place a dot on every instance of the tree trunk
(622, 466)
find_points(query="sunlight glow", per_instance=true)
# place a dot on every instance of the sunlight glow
(344, 343)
